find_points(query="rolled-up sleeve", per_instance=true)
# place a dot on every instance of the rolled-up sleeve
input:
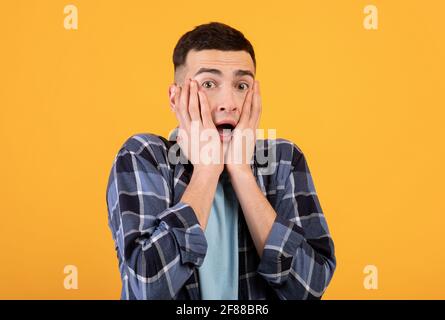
(298, 259)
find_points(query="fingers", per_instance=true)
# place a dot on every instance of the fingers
(256, 106)
(182, 106)
(193, 102)
(178, 114)
(205, 110)
(245, 113)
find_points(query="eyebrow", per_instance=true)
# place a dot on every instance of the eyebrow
(236, 73)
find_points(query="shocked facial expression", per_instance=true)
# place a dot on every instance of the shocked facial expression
(224, 77)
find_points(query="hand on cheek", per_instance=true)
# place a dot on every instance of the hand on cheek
(239, 151)
(195, 125)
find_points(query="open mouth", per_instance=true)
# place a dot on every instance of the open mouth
(225, 129)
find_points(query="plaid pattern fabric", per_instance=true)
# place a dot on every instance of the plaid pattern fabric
(160, 244)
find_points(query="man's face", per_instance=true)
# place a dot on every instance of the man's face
(224, 77)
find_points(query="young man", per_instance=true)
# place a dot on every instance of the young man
(222, 224)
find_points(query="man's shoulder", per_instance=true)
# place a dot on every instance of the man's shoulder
(285, 150)
(145, 146)
(138, 141)
(277, 158)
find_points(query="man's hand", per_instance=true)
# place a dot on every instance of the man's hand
(197, 132)
(201, 189)
(257, 210)
(239, 150)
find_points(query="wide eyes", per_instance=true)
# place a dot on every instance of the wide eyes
(243, 86)
(211, 84)
(207, 84)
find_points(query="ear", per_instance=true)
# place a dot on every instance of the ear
(171, 96)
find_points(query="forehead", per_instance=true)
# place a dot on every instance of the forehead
(226, 61)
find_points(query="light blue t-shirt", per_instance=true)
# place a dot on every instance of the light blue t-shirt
(218, 275)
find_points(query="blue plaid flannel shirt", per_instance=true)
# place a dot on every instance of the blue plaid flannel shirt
(160, 244)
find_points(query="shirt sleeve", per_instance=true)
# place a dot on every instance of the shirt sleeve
(298, 259)
(159, 242)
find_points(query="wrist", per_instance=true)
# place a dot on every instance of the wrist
(207, 172)
(239, 171)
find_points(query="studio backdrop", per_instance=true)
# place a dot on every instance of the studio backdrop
(357, 85)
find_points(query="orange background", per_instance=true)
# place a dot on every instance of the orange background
(365, 106)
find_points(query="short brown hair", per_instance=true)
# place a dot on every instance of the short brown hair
(213, 35)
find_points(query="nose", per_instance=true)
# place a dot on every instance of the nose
(227, 102)
(229, 107)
